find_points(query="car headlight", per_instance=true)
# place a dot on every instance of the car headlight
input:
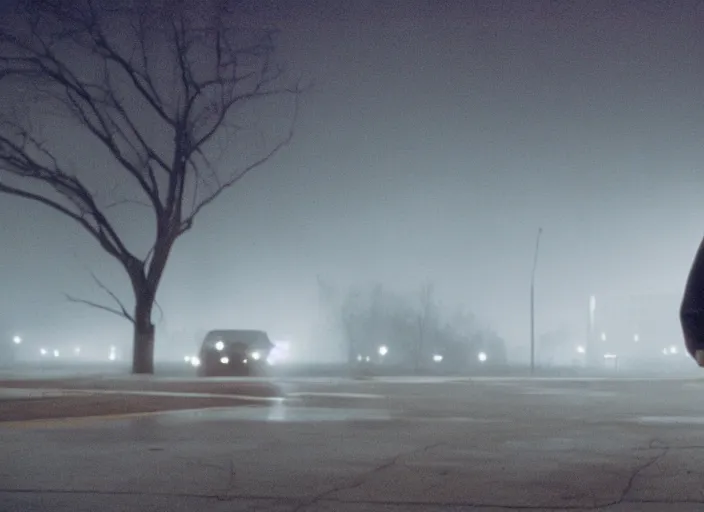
(195, 361)
(256, 355)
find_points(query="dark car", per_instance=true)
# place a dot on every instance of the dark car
(229, 353)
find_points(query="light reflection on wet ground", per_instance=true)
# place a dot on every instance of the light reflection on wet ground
(278, 413)
(281, 413)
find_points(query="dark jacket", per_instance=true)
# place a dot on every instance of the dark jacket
(692, 309)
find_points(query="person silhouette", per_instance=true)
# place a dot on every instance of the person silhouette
(692, 308)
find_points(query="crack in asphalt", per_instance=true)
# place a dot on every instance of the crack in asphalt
(327, 496)
(361, 480)
(664, 450)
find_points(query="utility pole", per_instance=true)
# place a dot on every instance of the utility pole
(532, 302)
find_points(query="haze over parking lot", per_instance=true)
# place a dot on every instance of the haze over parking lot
(434, 142)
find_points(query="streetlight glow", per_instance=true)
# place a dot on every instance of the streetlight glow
(16, 340)
(383, 350)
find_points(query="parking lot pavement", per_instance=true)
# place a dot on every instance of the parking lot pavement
(362, 446)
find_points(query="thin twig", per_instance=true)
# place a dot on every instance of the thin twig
(95, 305)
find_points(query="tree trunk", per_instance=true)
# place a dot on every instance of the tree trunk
(145, 286)
(143, 342)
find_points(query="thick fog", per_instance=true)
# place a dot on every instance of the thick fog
(435, 140)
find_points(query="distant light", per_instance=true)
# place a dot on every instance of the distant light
(610, 356)
(665, 351)
(42, 351)
(56, 353)
(280, 352)
(359, 357)
(187, 359)
(112, 357)
(283, 345)
(603, 336)
(195, 361)
(224, 360)
(367, 358)
(581, 349)
(16, 340)
(256, 355)
(636, 338)
(245, 361)
(482, 357)
(383, 350)
(219, 346)
(673, 349)
(77, 350)
(437, 358)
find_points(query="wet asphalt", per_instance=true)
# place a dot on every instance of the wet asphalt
(485, 444)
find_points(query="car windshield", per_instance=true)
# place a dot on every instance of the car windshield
(248, 338)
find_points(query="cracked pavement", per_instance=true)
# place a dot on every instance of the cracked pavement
(357, 446)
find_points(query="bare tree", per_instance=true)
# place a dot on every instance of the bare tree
(159, 87)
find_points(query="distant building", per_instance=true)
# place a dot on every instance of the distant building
(638, 327)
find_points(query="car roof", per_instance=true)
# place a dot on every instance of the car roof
(239, 336)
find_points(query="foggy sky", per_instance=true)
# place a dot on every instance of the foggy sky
(437, 138)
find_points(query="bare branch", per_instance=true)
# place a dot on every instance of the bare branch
(188, 220)
(155, 87)
(126, 202)
(141, 81)
(95, 232)
(161, 311)
(98, 306)
(112, 295)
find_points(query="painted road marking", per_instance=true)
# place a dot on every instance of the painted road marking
(565, 392)
(671, 420)
(335, 395)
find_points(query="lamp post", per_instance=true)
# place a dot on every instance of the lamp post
(532, 302)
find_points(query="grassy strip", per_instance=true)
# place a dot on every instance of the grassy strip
(256, 389)
(102, 405)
